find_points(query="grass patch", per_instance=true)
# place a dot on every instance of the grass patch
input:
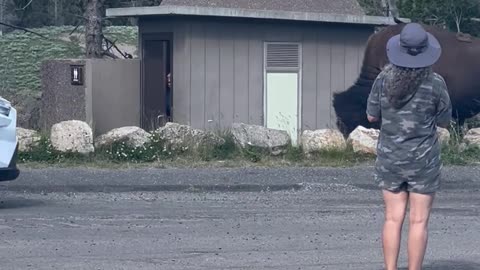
(457, 152)
(23, 53)
(253, 154)
(340, 158)
(225, 151)
(122, 34)
(44, 152)
(294, 154)
(121, 152)
(454, 155)
(158, 154)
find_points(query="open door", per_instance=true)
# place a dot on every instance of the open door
(156, 92)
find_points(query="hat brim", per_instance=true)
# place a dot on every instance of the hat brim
(399, 57)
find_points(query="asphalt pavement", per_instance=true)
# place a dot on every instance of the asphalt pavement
(288, 218)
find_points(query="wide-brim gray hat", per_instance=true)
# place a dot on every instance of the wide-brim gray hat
(413, 48)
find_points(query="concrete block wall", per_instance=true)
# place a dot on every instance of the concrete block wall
(61, 100)
(109, 97)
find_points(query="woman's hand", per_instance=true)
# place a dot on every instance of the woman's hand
(372, 119)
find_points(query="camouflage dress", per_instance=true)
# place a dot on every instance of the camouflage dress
(408, 150)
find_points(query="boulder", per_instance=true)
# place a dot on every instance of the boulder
(473, 122)
(182, 137)
(133, 137)
(472, 137)
(275, 141)
(443, 135)
(364, 140)
(323, 139)
(72, 136)
(27, 139)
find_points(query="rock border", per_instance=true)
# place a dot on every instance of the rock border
(75, 136)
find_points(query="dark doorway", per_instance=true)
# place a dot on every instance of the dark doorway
(157, 94)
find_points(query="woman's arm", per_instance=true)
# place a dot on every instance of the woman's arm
(444, 105)
(373, 103)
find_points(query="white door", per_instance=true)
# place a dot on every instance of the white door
(282, 103)
(282, 87)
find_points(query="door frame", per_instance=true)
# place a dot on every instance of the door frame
(284, 70)
(161, 36)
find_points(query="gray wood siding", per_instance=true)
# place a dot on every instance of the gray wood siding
(240, 69)
(212, 77)
(338, 69)
(309, 82)
(197, 77)
(182, 67)
(255, 78)
(227, 77)
(324, 71)
(218, 68)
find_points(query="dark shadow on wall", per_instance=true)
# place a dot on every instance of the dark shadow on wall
(450, 265)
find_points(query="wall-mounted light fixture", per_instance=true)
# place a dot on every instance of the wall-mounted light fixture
(76, 75)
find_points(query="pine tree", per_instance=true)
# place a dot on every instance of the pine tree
(93, 30)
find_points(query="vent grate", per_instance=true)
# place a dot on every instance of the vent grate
(283, 55)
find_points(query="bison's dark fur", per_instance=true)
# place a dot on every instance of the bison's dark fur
(459, 65)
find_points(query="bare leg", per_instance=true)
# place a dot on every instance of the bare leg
(420, 207)
(395, 209)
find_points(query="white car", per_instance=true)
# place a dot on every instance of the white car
(8, 141)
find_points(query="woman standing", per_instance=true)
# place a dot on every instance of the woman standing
(411, 100)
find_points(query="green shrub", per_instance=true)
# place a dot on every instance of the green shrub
(155, 150)
(253, 154)
(294, 154)
(460, 155)
(453, 153)
(456, 151)
(44, 152)
(225, 151)
(120, 152)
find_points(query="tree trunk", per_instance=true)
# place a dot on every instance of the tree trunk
(7, 14)
(55, 11)
(393, 10)
(93, 30)
(58, 12)
(458, 22)
(2, 9)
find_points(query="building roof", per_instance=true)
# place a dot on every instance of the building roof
(250, 12)
(320, 6)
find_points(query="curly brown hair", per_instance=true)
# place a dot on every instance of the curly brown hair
(402, 83)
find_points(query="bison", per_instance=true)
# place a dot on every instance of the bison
(459, 65)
